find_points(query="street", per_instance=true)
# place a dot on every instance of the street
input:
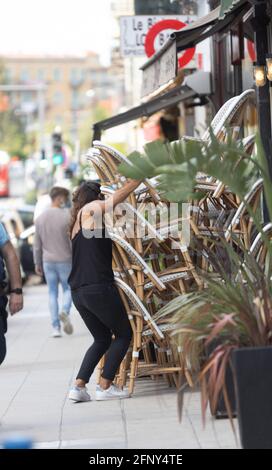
(37, 374)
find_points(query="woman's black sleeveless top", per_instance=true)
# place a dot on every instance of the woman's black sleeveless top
(91, 258)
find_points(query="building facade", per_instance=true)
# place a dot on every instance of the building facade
(73, 85)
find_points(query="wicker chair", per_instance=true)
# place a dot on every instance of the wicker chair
(242, 223)
(151, 270)
(167, 364)
(114, 158)
(259, 249)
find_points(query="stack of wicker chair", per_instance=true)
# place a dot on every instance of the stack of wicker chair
(153, 268)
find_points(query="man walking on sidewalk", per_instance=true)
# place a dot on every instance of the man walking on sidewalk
(52, 256)
(8, 254)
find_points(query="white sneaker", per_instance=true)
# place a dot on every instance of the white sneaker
(111, 393)
(56, 333)
(79, 394)
(67, 325)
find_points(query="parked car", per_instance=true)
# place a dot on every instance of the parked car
(25, 247)
(26, 212)
(13, 225)
(22, 215)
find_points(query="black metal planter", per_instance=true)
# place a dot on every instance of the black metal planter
(253, 387)
(221, 410)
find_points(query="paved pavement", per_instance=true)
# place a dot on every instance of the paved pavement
(38, 372)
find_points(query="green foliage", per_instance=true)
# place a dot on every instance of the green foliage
(2, 72)
(177, 164)
(234, 310)
(12, 135)
(265, 174)
(31, 197)
(235, 307)
(98, 113)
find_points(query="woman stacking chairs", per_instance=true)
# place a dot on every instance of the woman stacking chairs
(152, 264)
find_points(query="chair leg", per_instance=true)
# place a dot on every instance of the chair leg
(133, 371)
(99, 369)
(123, 370)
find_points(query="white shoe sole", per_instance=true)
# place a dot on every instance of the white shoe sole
(76, 399)
(99, 398)
(67, 325)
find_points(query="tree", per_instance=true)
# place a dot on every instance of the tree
(12, 133)
(161, 7)
(2, 72)
(85, 132)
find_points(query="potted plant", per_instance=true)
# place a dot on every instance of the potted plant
(238, 314)
(235, 312)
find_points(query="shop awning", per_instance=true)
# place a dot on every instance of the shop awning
(162, 66)
(195, 85)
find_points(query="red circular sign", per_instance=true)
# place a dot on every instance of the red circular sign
(161, 26)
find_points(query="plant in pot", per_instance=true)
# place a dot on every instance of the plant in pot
(235, 307)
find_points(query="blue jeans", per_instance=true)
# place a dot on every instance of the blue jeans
(55, 274)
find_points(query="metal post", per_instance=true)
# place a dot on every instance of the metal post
(260, 22)
(41, 110)
(96, 132)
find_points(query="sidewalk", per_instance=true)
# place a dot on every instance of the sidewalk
(38, 372)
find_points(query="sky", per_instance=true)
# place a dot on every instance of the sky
(56, 27)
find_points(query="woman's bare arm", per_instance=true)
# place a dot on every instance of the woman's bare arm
(119, 196)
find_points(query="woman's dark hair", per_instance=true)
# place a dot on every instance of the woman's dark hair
(88, 191)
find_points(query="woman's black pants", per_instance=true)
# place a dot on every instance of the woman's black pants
(103, 312)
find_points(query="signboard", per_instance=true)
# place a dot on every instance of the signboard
(163, 25)
(135, 28)
(161, 71)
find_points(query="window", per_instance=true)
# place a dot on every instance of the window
(41, 75)
(82, 74)
(9, 75)
(26, 97)
(75, 100)
(74, 74)
(77, 75)
(57, 74)
(93, 74)
(24, 75)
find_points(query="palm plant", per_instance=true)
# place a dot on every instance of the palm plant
(237, 311)
(177, 164)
